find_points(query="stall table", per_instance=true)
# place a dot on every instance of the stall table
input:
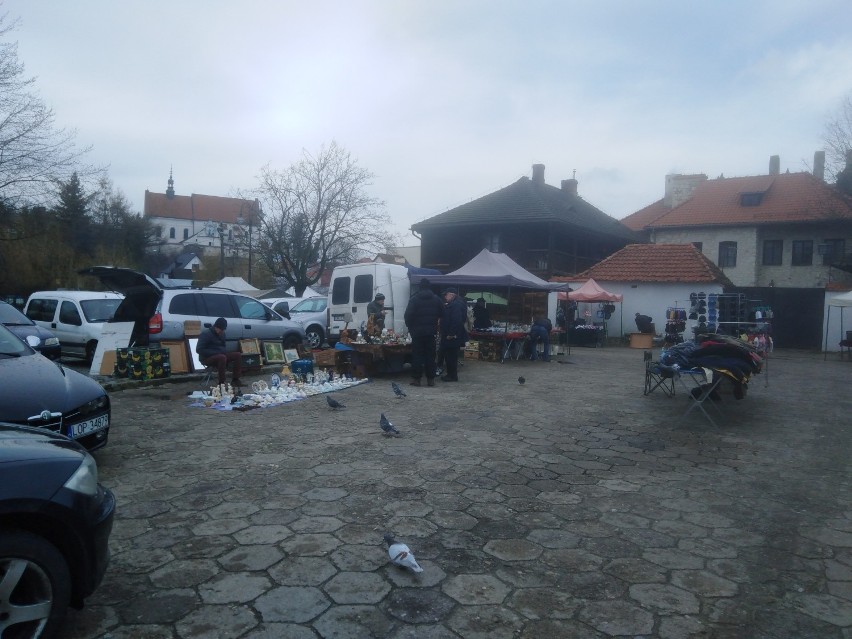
(594, 337)
(381, 358)
(507, 342)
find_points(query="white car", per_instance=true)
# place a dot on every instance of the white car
(312, 313)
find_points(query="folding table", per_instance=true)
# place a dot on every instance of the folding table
(706, 384)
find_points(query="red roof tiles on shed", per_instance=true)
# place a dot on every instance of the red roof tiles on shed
(656, 263)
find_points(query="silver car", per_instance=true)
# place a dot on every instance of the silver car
(312, 314)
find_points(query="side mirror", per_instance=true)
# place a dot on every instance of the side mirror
(33, 340)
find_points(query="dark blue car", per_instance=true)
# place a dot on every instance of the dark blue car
(22, 326)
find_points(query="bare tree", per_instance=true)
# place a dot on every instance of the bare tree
(34, 154)
(838, 138)
(317, 213)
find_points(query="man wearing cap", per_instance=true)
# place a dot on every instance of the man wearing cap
(376, 310)
(212, 350)
(453, 335)
(421, 317)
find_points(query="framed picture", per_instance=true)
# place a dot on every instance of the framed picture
(249, 347)
(273, 352)
(291, 355)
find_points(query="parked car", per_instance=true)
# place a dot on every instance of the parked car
(312, 313)
(23, 326)
(76, 317)
(282, 305)
(158, 313)
(55, 522)
(35, 391)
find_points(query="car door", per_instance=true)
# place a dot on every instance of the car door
(215, 305)
(68, 328)
(257, 320)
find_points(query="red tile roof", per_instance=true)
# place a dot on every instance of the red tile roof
(642, 219)
(787, 197)
(655, 263)
(199, 207)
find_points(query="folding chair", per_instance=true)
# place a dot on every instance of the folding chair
(658, 376)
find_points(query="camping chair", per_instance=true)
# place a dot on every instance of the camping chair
(658, 376)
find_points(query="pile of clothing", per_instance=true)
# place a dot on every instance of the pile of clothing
(722, 354)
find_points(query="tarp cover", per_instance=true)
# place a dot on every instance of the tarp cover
(235, 284)
(844, 299)
(591, 291)
(492, 270)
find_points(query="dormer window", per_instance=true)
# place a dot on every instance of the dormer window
(751, 199)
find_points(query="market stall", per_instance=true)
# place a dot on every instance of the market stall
(585, 331)
(844, 300)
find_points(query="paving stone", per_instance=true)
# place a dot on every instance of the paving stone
(237, 587)
(163, 606)
(826, 608)
(184, 573)
(475, 589)
(353, 622)
(703, 583)
(217, 622)
(356, 588)
(544, 603)
(617, 618)
(310, 544)
(664, 598)
(484, 622)
(297, 604)
(513, 549)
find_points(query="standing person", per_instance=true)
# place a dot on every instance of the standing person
(213, 351)
(453, 335)
(421, 317)
(481, 315)
(376, 311)
(540, 332)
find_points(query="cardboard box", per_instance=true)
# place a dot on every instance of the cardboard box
(250, 361)
(178, 355)
(330, 357)
(471, 354)
(192, 328)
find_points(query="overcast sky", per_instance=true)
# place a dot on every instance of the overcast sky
(444, 101)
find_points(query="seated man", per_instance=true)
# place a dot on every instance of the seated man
(540, 332)
(643, 323)
(212, 350)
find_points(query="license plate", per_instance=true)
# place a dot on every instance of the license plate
(89, 426)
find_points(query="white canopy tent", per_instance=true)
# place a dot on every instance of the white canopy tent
(844, 300)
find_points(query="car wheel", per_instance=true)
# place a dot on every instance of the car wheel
(314, 337)
(292, 341)
(36, 586)
(91, 347)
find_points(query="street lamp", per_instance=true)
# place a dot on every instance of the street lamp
(221, 229)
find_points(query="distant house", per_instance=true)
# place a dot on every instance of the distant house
(653, 278)
(204, 221)
(778, 230)
(547, 230)
(183, 267)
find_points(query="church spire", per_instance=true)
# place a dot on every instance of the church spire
(170, 191)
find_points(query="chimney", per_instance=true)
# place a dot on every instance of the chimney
(538, 174)
(819, 165)
(679, 188)
(570, 186)
(774, 164)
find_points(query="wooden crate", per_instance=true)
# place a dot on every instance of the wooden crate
(329, 357)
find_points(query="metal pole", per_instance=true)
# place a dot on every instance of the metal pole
(221, 229)
(250, 234)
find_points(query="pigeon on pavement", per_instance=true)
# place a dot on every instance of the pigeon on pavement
(389, 428)
(401, 555)
(397, 390)
(333, 403)
(521, 380)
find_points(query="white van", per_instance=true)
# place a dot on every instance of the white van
(353, 286)
(76, 317)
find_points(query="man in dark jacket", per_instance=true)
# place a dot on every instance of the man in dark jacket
(212, 350)
(540, 332)
(453, 335)
(421, 317)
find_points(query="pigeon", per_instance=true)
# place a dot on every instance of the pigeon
(521, 380)
(401, 555)
(333, 403)
(389, 428)
(397, 390)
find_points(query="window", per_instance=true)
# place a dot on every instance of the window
(249, 308)
(727, 254)
(172, 233)
(68, 314)
(218, 305)
(834, 251)
(698, 245)
(99, 310)
(42, 310)
(159, 230)
(751, 199)
(186, 234)
(772, 250)
(492, 242)
(183, 304)
(363, 289)
(340, 290)
(803, 253)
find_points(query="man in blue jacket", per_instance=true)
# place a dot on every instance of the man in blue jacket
(453, 334)
(212, 350)
(421, 317)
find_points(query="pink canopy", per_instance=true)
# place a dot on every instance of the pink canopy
(591, 291)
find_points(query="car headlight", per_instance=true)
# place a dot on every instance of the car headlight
(85, 478)
(95, 405)
(51, 341)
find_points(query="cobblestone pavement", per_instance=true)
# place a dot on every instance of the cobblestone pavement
(570, 506)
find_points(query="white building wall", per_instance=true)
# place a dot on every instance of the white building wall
(647, 298)
(745, 272)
